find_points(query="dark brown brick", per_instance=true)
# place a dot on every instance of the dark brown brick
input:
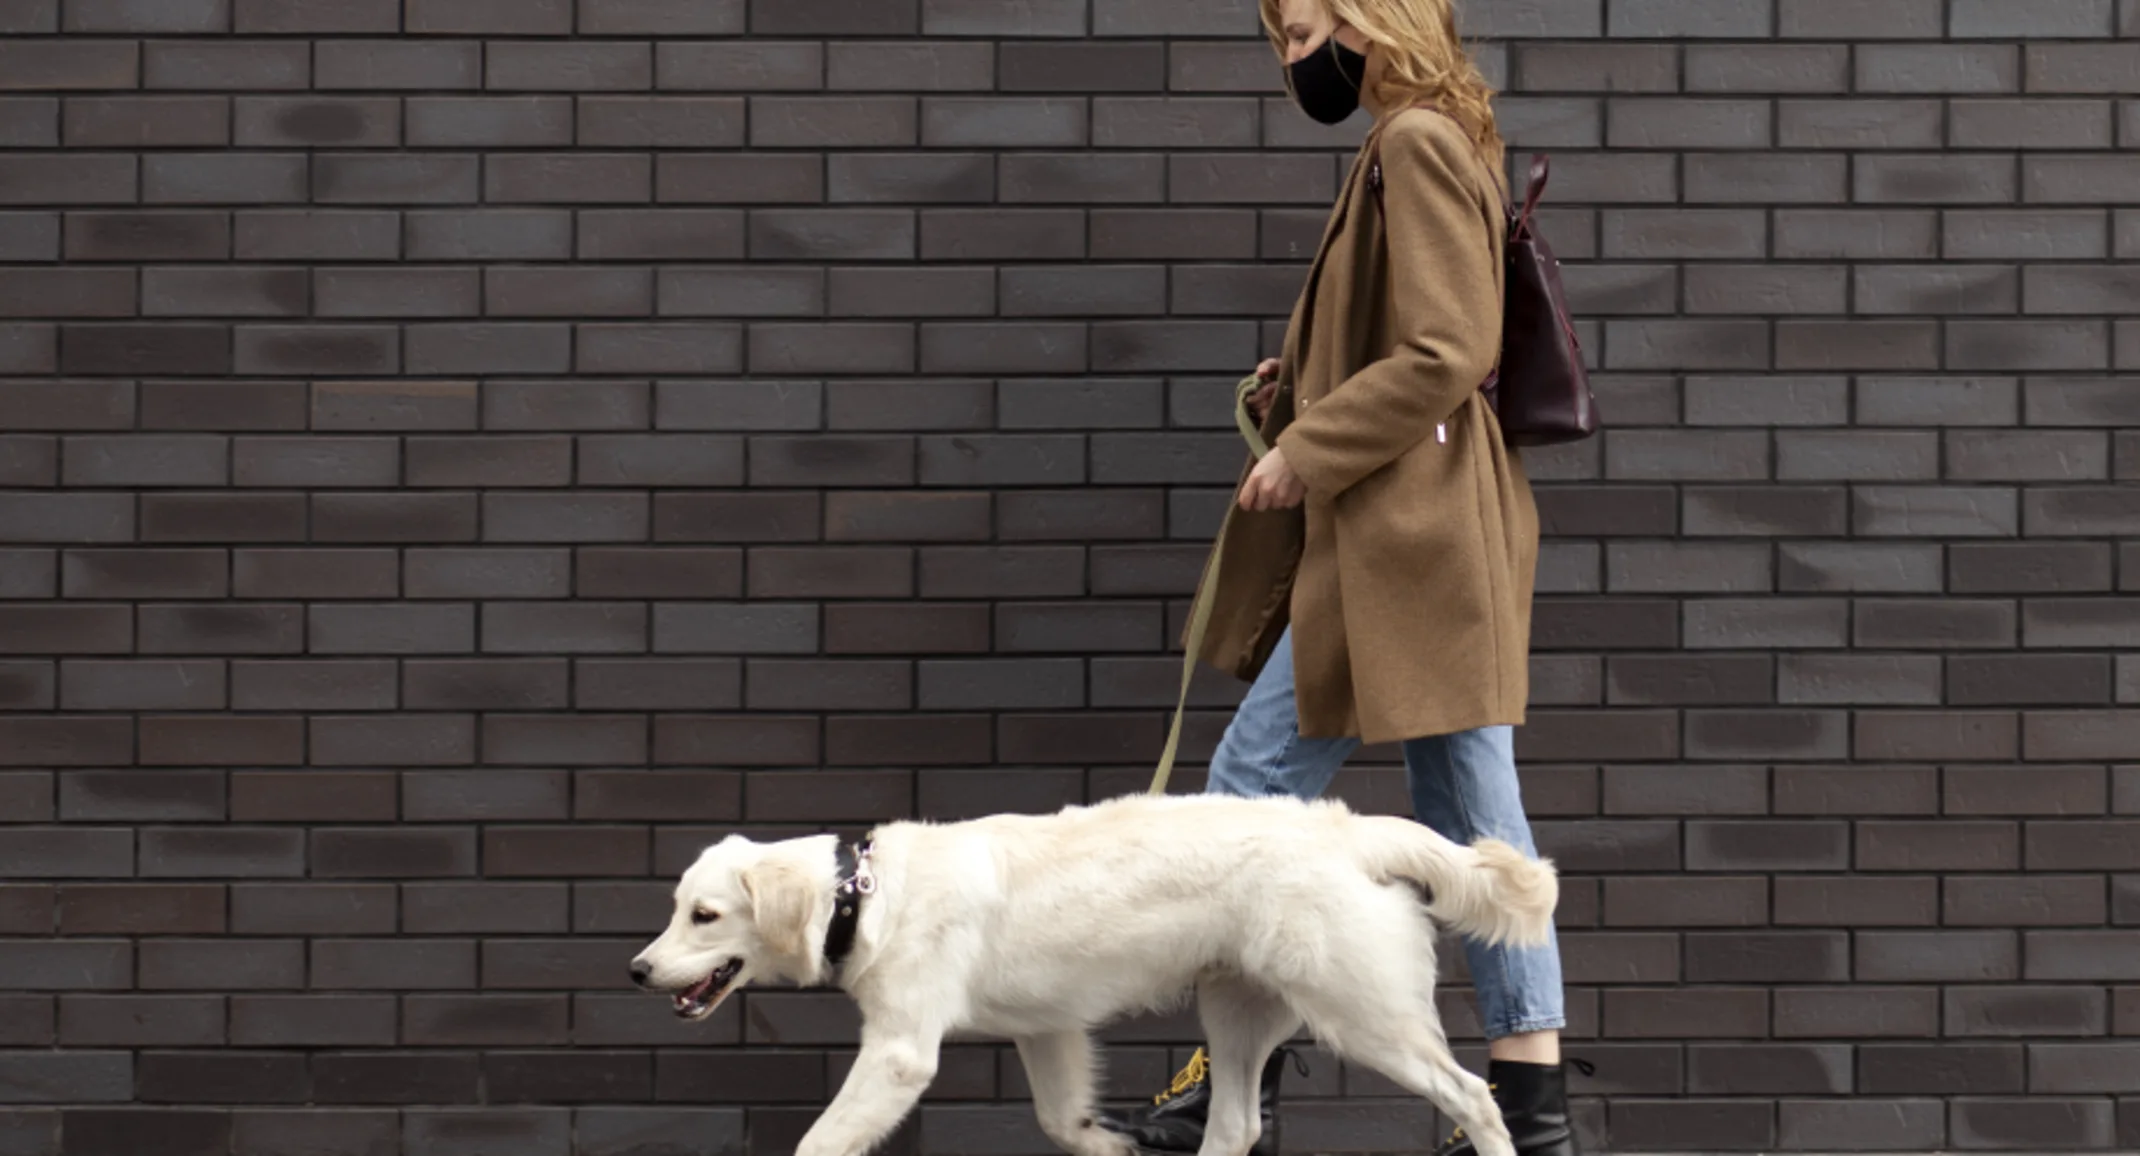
(209, 740)
(1794, 845)
(2038, 1122)
(92, 1021)
(223, 964)
(1947, 1069)
(234, 852)
(1767, 957)
(433, 796)
(555, 963)
(128, 349)
(1951, 845)
(1706, 1013)
(61, 741)
(222, 517)
(279, 796)
(312, 1020)
(730, 739)
(568, 1077)
(314, 573)
(393, 853)
(1931, 956)
(484, 908)
(489, 1020)
(1720, 1125)
(140, 909)
(828, 795)
(148, 684)
(312, 909)
(1849, 902)
(172, 796)
(1857, 790)
(396, 1078)
(1752, 1069)
(2025, 1011)
(221, 1077)
(565, 851)
(121, 1131)
(2037, 790)
(1861, 1011)
(2015, 901)
(488, 573)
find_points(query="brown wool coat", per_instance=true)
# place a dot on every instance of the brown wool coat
(1407, 574)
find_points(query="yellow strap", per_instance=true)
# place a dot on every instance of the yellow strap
(1200, 609)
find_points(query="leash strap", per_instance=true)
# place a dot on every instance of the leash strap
(1206, 590)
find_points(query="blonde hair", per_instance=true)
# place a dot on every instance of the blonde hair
(1424, 60)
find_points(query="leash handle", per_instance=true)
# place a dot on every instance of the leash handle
(1207, 589)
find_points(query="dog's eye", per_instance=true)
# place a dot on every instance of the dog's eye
(702, 917)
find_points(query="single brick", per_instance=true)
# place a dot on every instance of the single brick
(1767, 68)
(1007, 18)
(2048, 19)
(1938, 68)
(1860, 123)
(398, 65)
(1690, 19)
(572, 66)
(282, 17)
(1095, 67)
(1849, 20)
(2081, 68)
(1663, 123)
(484, 17)
(294, 234)
(661, 17)
(137, 121)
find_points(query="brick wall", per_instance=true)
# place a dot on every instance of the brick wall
(460, 457)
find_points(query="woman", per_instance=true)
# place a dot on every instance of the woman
(1376, 576)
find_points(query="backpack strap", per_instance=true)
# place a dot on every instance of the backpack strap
(1536, 189)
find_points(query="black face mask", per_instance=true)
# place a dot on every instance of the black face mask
(1326, 83)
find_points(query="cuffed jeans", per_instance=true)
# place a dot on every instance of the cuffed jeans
(1463, 786)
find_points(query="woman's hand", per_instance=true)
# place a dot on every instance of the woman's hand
(1259, 402)
(1272, 485)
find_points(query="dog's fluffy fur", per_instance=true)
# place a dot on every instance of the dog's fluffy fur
(1041, 927)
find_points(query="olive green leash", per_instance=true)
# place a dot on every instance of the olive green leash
(1207, 590)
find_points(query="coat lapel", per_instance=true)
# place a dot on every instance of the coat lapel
(1340, 218)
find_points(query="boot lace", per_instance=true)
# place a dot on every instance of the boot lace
(1583, 1066)
(1459, 1133)
(1195, 1072)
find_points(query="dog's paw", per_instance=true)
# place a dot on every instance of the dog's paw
(1092, 1138)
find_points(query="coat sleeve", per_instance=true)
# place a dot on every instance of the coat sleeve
(1446, 299)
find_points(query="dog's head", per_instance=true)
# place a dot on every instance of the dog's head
(743, 912)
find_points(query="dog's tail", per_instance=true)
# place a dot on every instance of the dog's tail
(1489, 891)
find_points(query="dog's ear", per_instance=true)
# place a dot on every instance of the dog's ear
(782, 900)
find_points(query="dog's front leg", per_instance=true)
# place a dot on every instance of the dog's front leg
(887, 1080)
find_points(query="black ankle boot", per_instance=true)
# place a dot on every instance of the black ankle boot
(1175, 1122)
(1534, 1103)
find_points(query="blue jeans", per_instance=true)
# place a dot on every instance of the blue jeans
(1463, 786)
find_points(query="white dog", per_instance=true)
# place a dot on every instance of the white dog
(1042, 927)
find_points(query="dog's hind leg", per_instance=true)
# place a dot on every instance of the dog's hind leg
(1059, 1068)
(1412, 1051)
(1374, 1004)
(1243, 1023)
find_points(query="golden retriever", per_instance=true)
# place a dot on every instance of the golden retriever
(1040, 927)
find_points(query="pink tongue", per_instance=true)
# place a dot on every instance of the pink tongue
(700, 988)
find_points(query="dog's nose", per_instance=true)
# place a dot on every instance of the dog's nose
(640, 970)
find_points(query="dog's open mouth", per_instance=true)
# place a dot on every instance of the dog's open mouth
(698, 1001)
